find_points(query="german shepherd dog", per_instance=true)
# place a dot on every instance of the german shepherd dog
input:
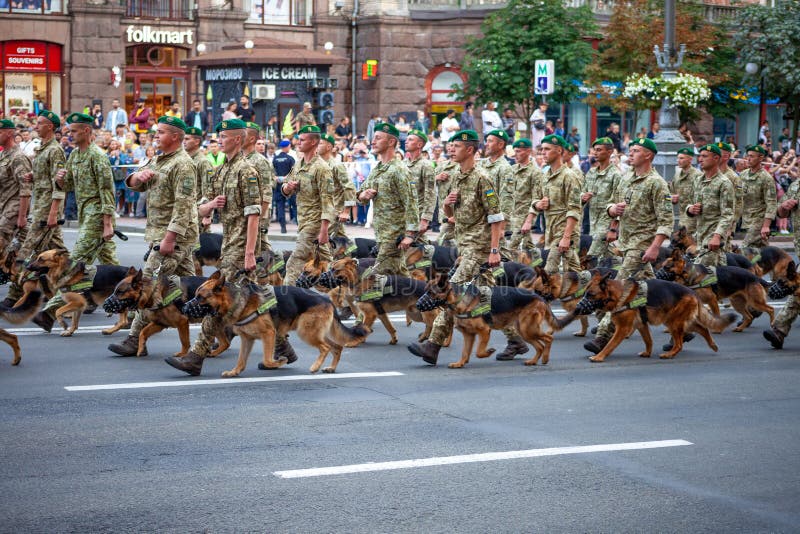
(745, 290)
(523, 309)
(272, 268)
(444, 259)
(364, 248)
(567, 288)
(11, 270)
(208, 252)
(683, 241)
(668, 303)
(312, 270)
(786, 284)
(19, 314)
(308, 312)
(402, 295)
(71, 278)
(136, 292)
(770, 260)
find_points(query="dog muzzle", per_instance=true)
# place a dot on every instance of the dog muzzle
(586, 306)
(195, 310)
(328, 280)
(4, 278)
(116, 305)
(779, 290)
(663, 274)
(305, 281)
(427, 303)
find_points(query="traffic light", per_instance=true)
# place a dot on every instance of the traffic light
(325, 116)
(325, 100)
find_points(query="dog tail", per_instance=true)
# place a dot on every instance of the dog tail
(555, 323)
(715, 323)
(23, 312)
(345, 336)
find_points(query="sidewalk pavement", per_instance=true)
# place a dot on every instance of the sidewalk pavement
(136, 225)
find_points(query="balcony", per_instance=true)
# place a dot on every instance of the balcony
(454, 4)
(160, 9)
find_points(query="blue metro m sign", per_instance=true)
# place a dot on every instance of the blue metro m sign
(544, 77)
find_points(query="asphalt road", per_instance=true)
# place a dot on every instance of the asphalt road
(705, 442)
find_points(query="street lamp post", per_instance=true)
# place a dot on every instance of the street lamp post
(752, 69)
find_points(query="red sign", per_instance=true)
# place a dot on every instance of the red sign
(31, 56)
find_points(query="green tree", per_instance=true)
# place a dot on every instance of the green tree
(500, 63)
(770, 38)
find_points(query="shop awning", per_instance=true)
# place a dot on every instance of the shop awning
(264, 51)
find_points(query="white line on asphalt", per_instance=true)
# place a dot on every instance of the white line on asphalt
(75, 231)
(222, 381)
(472, 458)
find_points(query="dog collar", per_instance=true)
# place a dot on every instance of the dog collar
(263, 308)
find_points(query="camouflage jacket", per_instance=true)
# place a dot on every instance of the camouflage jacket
(477, 208)
(171, 205)
(14, 165)
(519, 189)
(49, 159)
(683, 185)
(443, 187)
(314, 193)
(601, 183)
(717, 197)
(421, 172)
(344, 192)
(564, 192)
(738, 191)
(89, 176)
(500, 173)
(266, 175)
(760, 197)
(203, 170)
(648, 211)
(395, 206)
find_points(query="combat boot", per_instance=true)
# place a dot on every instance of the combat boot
(516, 345)
(127, 348)
(596, 345)
(428, 351)
(775, 338)
(687, 337)
(45, 320)
(192, 363)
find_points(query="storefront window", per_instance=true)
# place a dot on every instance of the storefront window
(160, 9)
(279, 12)
(155, 56)
(30, 76)
(55, 7)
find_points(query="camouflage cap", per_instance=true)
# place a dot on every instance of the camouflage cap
(329, 138)
(79, 118)
(645, 143)
(687, 151)
(52, 117)
(191, 130)
(758, 149)
(603, 141)
(230, 124)
(499, 133)
(7, 124)
(387, 128)
(175, 122)
(523, 142)
(253, 126)
(711, 148)
(724, 146)
(309, 129)
(464, 135)
(554, 140)
(420, 134)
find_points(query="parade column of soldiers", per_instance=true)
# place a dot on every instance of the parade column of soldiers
(598, 188)
(344, 193)
(422, 182)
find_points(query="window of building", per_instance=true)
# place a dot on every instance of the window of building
(54, 7)
(279, 12)
(160, 9)
(155, 56)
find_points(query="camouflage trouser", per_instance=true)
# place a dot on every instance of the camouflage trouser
(304, 250)
(752, 238)
(689, 222)
(785, 318)
(632, 267)
(555, 257)
(600, 248)
(519, 240)
(9, 230)
(263, 232)
(446, 233)
(468, 267)
(178, 264)
(336, 229)
(390, 260)
(712, 259)
(23, 236)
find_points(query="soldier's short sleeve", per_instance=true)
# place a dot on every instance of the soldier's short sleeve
(22, 166)
(727, 200)
(662, 205)
(490, 200)
(251, 187)
(184, 182)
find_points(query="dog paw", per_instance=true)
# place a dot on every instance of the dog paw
(530, 362)
(595, 359)
(580, 334)
(393, 341)
(106, 332)
(455, 365)
(329, 370)
(666, 356)
(738, 329)
(644, 354)
(714, 347)
(181, 354)
(66, 333)
(230, 374)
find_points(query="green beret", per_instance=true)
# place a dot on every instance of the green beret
(172, 121)
(646, 143)
(329, 138)
(499, 133)
(522, 143)
(724, 146)
(603, 141)
(420, 134)
(253, 126)
(385, 127)
(464, 135)
(570, 146)
(309, 129)
(79, 118)
(711, 148)
(757, 148)
(191, 130)
(230, 124)
(52, 117)
(7, 124)
(687, 151)
(554, 140)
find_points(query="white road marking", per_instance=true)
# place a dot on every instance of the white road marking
(472, 458)
(222, 381)
(75, 231)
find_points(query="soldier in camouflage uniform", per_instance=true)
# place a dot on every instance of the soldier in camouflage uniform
(444, 177)
(495, 164)
(344, 192)
(786, 316)
(395, 207)
(599, 185)
(760, 199)
(558, 196)
(235, 192)
(736, 181)
(516, 194)
(421, 172)
(641, 207)
(473, 203)
(312, 179)
(266, 179)
(87, 173)
(712, 208)
(203, 169)
(682, 188)
(170, 180)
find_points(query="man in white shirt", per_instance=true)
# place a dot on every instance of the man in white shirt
(449, 125)
(29, 145)
(491, 119)
(538, 121)
(115, 117)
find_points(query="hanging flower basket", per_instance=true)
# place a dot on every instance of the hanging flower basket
(683, 91)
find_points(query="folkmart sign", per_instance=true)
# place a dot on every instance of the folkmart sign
(149, 35)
